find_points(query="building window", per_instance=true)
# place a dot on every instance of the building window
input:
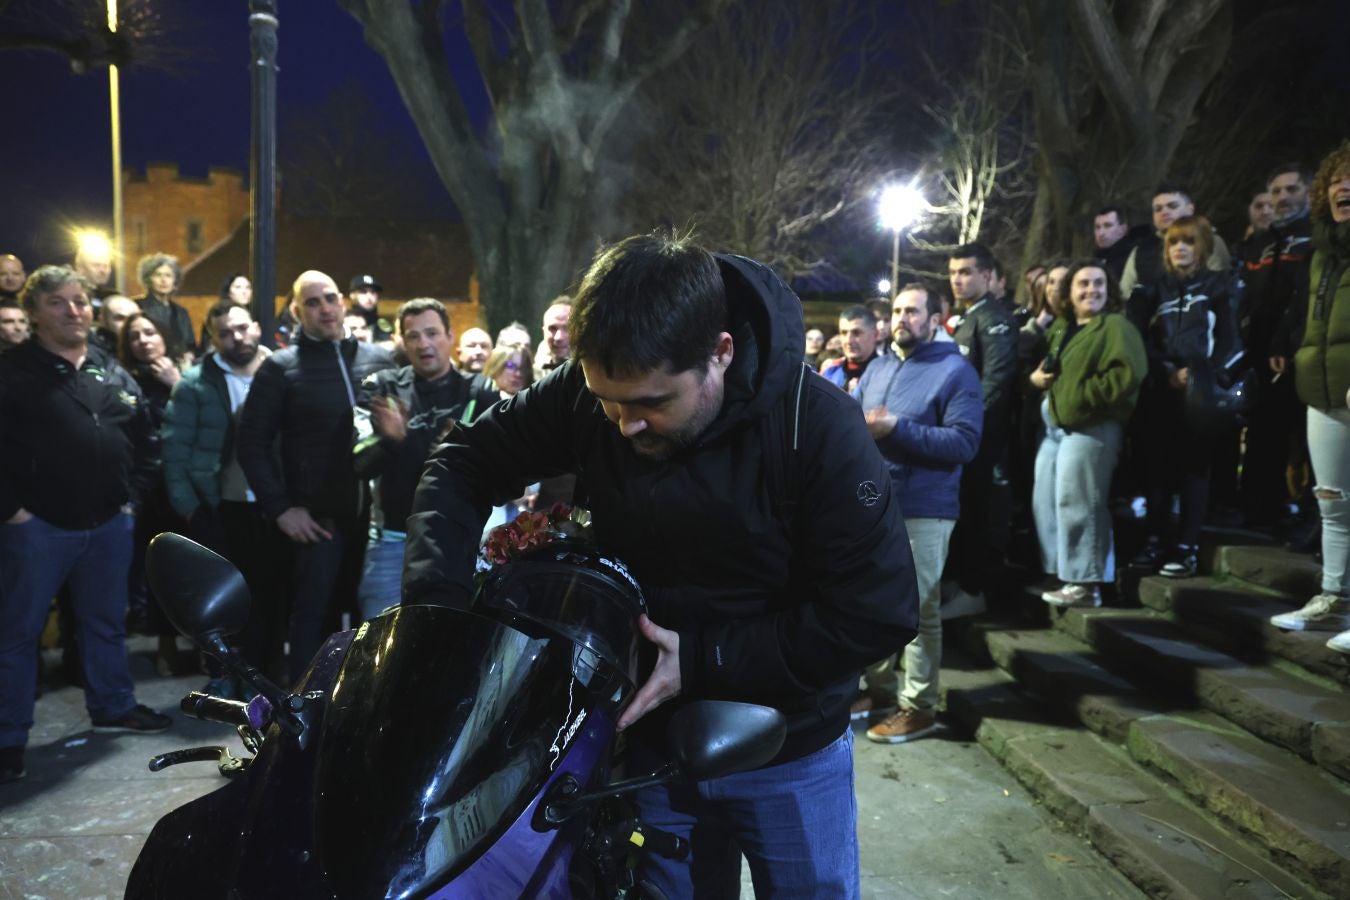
(194, 236)
(139, 241)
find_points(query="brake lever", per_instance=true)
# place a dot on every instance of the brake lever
(230, 766)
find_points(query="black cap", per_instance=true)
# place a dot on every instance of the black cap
(364, 282)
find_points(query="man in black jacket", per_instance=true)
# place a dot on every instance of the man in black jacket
(987, 336)
(685, 387)
(409, 409)
(303, 397)
(74, 457)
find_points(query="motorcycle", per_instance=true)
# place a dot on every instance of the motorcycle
(433, 751)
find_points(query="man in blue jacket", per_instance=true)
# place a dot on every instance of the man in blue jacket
(925, 409)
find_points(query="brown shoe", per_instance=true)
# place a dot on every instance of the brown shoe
(905, 725)
(867, 706)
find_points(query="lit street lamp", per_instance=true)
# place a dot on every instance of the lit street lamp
(115, 105)
(900, 206)
(884, 287)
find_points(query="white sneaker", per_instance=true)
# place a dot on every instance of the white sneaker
(958, 603)
(1325, 612)
(1340, 643)
(1074, 595)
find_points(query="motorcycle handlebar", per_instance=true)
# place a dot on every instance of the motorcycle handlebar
(253, 714)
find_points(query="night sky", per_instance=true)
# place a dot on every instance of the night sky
(57, 152)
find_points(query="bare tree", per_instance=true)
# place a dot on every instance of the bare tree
(78, 30)
(768, 129)
(1114, 87)
(980, 169)
(529, 185)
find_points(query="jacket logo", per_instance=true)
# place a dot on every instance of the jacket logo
(1000, 328)
(868, 494)
(127, 398)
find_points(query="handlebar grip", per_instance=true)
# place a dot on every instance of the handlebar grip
(203, 706)
(663, 843)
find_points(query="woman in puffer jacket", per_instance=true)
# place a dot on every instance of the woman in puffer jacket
(1322, 376)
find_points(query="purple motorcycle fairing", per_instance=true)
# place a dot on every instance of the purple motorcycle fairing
(435, 732)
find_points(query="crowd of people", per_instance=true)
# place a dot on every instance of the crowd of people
(1151, 380)
(1165, 373)
(297, 464)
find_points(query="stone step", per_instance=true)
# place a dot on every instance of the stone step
(1060, 668)
(1299, 714)
(1236, 619)
(1157, 839)
(1297, 812)
(1295, 575)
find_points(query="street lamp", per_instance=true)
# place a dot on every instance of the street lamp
(115, 105)
(900, 205)
(884, 287)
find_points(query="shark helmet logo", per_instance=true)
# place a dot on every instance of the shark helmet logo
(868, 493)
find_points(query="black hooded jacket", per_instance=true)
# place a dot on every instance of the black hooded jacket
(770, 609)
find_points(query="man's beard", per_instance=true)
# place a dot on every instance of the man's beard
(241, 355)
(661, 447)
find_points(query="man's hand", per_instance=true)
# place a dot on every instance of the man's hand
(664, 682)
(297, 524)
(20, 516)
(1041, 379)
(1180, 378)
(389, 418)
(1278, 364)
(880, 422)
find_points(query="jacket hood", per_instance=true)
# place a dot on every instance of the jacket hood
(768, 333)
(931, 350)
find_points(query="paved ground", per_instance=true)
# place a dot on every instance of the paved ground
(938, 818)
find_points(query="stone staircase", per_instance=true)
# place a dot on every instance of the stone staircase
(1201, 750)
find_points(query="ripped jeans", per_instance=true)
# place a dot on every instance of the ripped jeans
(1329, 447)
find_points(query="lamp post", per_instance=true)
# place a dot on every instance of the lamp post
(115, 105)
(900, 205)
(262, 238)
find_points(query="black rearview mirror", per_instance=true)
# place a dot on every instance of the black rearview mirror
(712, 738)
(202, 593)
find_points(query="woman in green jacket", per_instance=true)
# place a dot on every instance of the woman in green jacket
(1322, 376)
(1091, 377)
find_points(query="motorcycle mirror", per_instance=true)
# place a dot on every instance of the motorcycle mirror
(202, 593)
(712, 738)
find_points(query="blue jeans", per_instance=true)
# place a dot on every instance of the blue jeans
(36, 558)
(1069, 500)
(795, 822)
(382, 576)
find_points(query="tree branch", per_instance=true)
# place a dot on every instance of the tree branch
(1118, 81)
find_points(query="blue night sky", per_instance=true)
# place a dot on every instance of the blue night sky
(57, 151)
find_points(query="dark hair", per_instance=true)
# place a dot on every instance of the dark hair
(996, 267)
(1113, 298)
(172, 348)
(1302, 171)
(858, 311)
(881, 308)
(419, 305)
(932, 298)
(1118, 211)
(46, 279)
(649, 302)
(1172, 187)
(984, 258)
(1334, 162)
(1201, 233)
(222, 308)
(228, 282)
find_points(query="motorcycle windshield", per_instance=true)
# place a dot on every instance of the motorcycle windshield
(440, 730)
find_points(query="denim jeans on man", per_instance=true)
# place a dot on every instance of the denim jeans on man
(382, 577)
(1069, 500)
(36, 558)
(928, 541)
(796, 823)
(1329, 448)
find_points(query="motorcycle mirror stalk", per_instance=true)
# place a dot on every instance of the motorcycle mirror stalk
(205, 599)
(708, 739)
